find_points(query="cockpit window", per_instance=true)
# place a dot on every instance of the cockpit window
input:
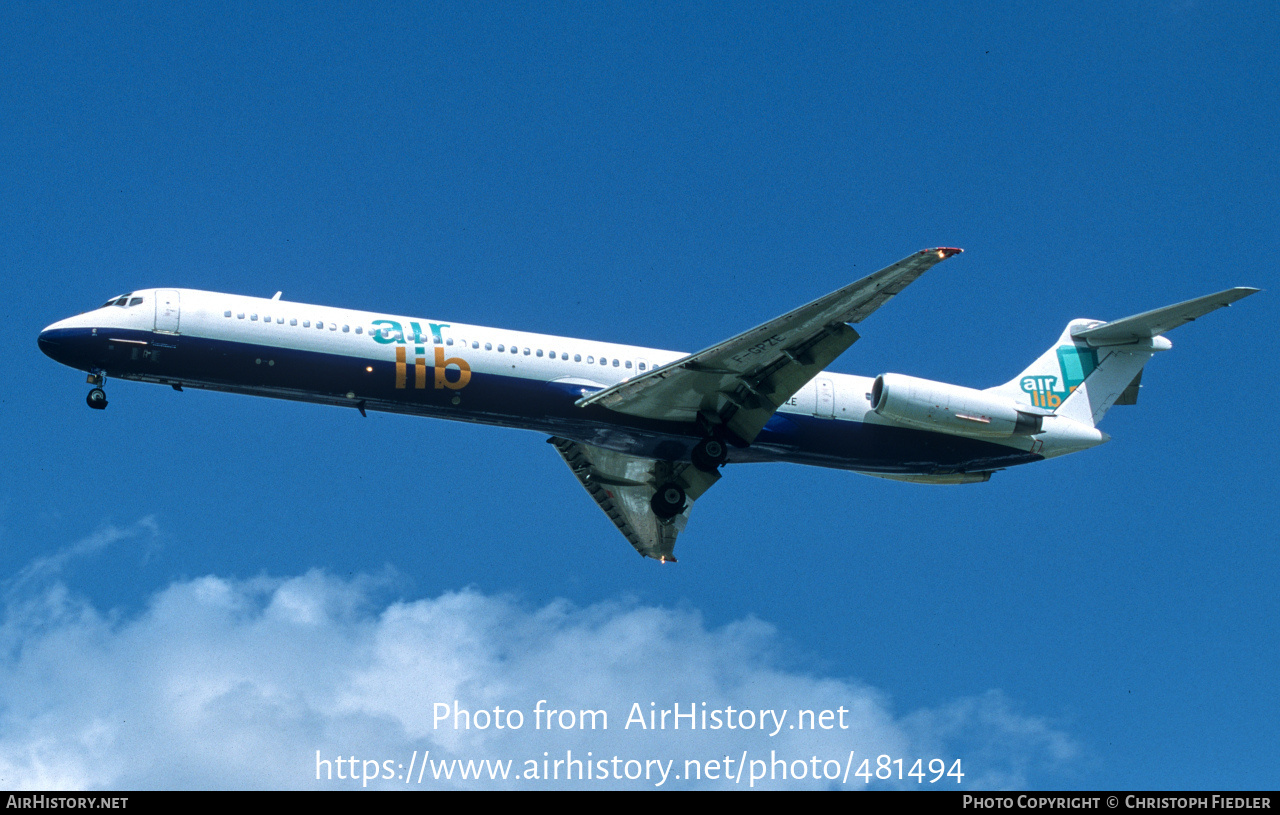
(123, 300)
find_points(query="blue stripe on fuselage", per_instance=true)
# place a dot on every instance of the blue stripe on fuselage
(505, 400)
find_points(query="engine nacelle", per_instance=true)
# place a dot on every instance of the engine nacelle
(951, 408)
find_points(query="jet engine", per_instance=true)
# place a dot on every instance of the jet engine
(951, 408)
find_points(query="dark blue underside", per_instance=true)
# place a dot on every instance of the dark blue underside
(506, 400)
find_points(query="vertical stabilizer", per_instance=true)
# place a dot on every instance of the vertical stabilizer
(1100, 375)
(1114, 371)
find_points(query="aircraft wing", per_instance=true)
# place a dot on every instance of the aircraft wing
(740, 382)
(622, 485)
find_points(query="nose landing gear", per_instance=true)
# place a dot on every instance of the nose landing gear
(97, 398)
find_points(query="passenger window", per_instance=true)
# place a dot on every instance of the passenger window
(628, 363)
(449, 341)
(615, 363)
(346, 329)
(641, 366)
(488, 346)
(591, 360)
(526, 352)
(359, 330)
(294, 321)
(240, 316)
(577, 357)
(226, 314)
(253, 317)
(539, 352)
(279, 321)
(306, 323)
(475, 344)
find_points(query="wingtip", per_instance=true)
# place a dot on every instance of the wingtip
(1238, 293)
(943, 252)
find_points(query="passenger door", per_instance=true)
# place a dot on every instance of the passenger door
(167, 311)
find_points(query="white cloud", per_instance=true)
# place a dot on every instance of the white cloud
(226, 683)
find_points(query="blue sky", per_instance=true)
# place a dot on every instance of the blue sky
(204, 590)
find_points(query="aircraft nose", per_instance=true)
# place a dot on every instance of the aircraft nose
(57, 341)
(48, 341)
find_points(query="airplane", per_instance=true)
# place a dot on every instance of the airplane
(645, 431)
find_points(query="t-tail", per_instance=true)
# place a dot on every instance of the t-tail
(1095, 365)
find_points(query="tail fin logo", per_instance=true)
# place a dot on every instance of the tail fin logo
(1075, 363)
(1041, 391)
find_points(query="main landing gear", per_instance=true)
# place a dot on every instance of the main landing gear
(97, 398)
(668, 501)
(709, 454)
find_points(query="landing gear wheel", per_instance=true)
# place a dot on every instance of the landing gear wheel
(97, 399)
(709, 454)
(668, 501)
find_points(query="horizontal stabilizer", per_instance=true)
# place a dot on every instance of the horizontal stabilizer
(1150, 324)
